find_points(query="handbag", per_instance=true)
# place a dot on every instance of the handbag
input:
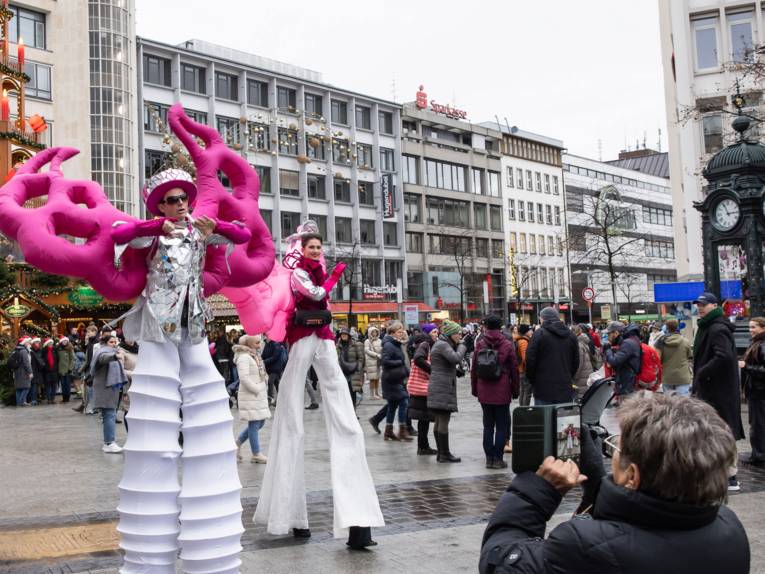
(318, 318)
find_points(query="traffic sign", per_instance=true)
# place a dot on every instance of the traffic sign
(588, 293)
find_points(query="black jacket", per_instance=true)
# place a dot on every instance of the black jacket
(629, 533)
(626, 362)
(753, 375)
(552, 360)
(716, 373)
(274, 357)
(394, 370)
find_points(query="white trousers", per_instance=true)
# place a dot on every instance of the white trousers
(207, 502)
(282, 502)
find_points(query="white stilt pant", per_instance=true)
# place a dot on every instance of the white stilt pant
(282, 502)
(207, 502)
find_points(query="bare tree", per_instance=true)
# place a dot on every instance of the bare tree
(460, 248)
(522, 270)
(352, 276)
(629, 286)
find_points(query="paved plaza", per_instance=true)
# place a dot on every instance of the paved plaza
(59, 494)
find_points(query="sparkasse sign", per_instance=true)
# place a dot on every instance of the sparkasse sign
(450, 112)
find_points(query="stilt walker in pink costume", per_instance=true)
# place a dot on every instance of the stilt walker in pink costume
(170, 263)
(282, 501)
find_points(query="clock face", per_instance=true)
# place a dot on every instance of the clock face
(726, 214)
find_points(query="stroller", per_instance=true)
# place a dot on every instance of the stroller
(593, 403)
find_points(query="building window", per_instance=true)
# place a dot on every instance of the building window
(385, 122)
(314, 105)
(286, 98)
(409, 168)
(268, 218)
(661, 249)
(530, 213)
(519, 177)
(321, 223)
(448, 212)
(366, 193)
(550, 245)
(529, 181)
(712, 127)
(341, 151)
(316, 188)
(343, 233)
(288, 143)
(479, 216)
(477, 181)
(226, 86)
(547, 183)
(532, 244)
(339, 112)
(495, 217)
(540, 213)
(28, 24)
(193, 78)
(367, 229)
(314, 147)
(390, 233)
(481, 247)
(556, 190)
(257, 93)
(363, 117)
(154, 162)
(364, 156)
(510, 177)
(521, 210)
(434, 285)
(370, 271)
(522, 243)
(548, 214)
(39, 84)
(513, 242)
(657, 216)
(289, 183)
(541, 244)
(264, 175)
(156, 70)
(493, 177)
(740, 34)
(539, 181)
(705, 34)
(228, 128)
(199, 117)
(413, 242)
(411, 208)
(386, 159)
(153, 114)
(290, 222)
(497, 248)
(511, 209)
(445, 175)
(414, 285)
(342, 190)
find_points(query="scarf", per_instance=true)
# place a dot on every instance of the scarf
(752, 354)
(49, 357)
(704, 323)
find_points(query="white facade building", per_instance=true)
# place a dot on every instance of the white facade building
(638, 208)
(705, 45)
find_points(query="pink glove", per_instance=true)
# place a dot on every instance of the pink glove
(334, 278)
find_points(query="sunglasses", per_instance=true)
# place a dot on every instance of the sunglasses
(611, 445)
(173, 199)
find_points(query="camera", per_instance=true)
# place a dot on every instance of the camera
(545, 430)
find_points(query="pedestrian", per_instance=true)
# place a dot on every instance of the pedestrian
(91, 340)
(274, 357)
(445, 356)
(469, 340)
(65, 365)
(395, 370)
(311, 386)
(753, 370)
(676, 359)
(716, 370)
(38, 371)
(494, 393)
(655, 334)
(109, 378)
(585, 361)
(223, 355)
(252, 398)
(621, 353)
(417, 387)
(50, 370)
(21, 365)
(129, 350)
(350, 355)
(552, 360)
(521, 339)
(373, 352)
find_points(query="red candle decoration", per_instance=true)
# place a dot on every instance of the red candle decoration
(5, 110)
(21, 53)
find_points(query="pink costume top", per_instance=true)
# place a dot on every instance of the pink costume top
(307, 282)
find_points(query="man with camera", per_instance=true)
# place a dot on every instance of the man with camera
(621, 353)
(647, 516)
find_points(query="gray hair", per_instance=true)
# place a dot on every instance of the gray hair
(395, 326)
(681, 446)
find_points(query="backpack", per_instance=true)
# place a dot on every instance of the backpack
(14, 360)
(488, 367)
(649, 376)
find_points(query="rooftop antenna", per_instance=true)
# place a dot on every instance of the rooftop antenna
(509, 130)
(644, 140)
(393, 88)
(658, 143)
(496, 118)
(600, 149)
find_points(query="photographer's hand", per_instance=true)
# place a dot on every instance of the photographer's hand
(591, 461)
(562, 475)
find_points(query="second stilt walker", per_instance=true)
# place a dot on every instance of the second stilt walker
(282, 502)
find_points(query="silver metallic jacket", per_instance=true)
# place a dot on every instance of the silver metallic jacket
(302, 283)
(175, 277)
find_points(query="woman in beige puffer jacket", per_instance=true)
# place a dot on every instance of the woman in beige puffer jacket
(252, 397)
(373, 355)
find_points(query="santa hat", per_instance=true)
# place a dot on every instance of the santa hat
(35, 340)
(63, 339)
(47, 342)
(164, 181)
(25, 340)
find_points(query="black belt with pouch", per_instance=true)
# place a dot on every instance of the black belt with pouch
(312, 318)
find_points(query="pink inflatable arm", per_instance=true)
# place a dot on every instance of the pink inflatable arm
(126, 232)
(235, 233)
(74, 208)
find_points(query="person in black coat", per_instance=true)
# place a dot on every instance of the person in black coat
(395, 370)
(552, 359)
(753, 370)
(625, 360)
(648, 517)
(275, 359)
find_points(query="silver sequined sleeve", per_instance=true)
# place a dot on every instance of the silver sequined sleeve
(301, 283)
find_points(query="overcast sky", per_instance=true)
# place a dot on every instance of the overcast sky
(578, 71)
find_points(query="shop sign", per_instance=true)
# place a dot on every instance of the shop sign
(422, 103)
(378, 292)
(411, 314)
(386, 184)
(85, 297)
(17, 310)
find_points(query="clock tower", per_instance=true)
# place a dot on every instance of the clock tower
(733, 218)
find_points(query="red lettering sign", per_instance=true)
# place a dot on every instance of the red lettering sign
(422, 99)
(422, 103)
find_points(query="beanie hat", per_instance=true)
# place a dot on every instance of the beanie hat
(450, 328)
(493, 323)
(523, 328)
(549, 314)
(428, 327)
(617, 326)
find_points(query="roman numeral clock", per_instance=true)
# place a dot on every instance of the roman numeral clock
(733, 217)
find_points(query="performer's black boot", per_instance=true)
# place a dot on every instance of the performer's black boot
(301, 532)
(360, 537)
